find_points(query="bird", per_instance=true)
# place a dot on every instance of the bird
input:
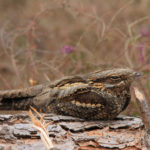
(100, 95)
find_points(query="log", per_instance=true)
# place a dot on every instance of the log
(70, 133)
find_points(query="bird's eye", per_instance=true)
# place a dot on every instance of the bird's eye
(115, 77)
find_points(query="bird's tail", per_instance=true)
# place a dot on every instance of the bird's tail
(18, 99)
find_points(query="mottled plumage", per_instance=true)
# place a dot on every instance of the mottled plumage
(98, 95)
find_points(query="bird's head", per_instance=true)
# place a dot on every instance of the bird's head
(114, 77)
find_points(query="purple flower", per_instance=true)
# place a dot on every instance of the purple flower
(67, 49)
(141, 48)
(145, 32)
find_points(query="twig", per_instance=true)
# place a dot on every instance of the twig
(118, 12)
(144, 108)
(11, 54)
(145, 114)
(30, 38)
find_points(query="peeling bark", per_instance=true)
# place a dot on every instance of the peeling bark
(69, 133)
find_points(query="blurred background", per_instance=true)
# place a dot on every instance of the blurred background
(46, 40)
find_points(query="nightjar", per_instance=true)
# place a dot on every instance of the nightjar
(100, 95)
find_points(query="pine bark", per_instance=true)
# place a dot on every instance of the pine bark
(69, 133)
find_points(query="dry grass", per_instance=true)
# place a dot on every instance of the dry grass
(103, 34)
(41, 127)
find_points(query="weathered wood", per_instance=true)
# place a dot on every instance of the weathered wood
(145, 114)
(69, 133)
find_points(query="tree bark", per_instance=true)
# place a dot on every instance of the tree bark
(69, 133)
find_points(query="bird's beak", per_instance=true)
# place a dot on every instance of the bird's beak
(137, 74)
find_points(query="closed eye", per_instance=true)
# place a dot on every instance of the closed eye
(115, 77)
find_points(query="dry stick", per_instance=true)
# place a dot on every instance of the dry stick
(145, 114)
(11, 55)
(144, 108)
(30, 39)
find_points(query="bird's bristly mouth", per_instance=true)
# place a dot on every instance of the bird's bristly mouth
(137, 74)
